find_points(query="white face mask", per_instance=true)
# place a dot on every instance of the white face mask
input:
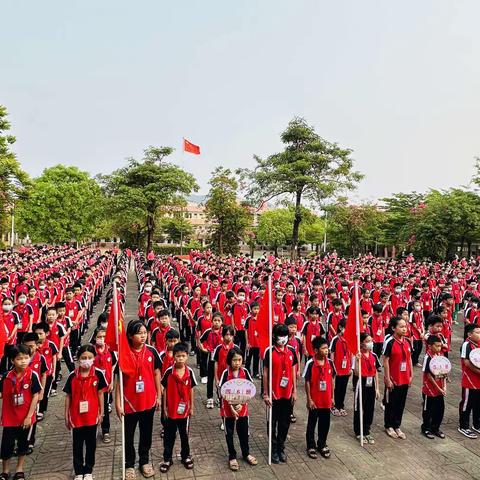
(7, 308)
(100, 342)
(282, 340)
(148, 289)
(398, 290)
(86, 362)
(418, 308)
(103, 324)
(22, 300)
(42, 287)
(241, 298)
(369, 345)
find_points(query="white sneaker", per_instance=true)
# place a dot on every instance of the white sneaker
(204, 380)
(53, 393)
(88, 476)
(222, 427)
(78, 477)
(209, 403)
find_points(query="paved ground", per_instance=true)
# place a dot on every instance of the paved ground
(416, 457)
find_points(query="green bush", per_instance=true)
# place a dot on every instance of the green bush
(172, 249)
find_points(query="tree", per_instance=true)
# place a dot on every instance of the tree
(309, 168)
(229, 219)
(354, 229)
(314, 232)
(147, 188)
(14, 182)
(64, 204)
(275, 228)
(178, 228)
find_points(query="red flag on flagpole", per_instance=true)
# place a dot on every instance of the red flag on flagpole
(354, 327)
(111, 333)
(265, 316)
(190, 147)
(3, 334)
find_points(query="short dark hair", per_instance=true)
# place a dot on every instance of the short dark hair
(234, 351)
(180, 347)
(19, 350)
(317, 342)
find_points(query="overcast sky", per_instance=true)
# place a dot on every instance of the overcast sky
(90, 82)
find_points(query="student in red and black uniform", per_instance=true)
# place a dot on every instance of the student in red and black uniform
(177, 382)
(105, 361)
(417, 330)
(221, 352)
(20, 389)
(342, 360)
(160, 331)
(433, 392)
(311, 328)
(377, 329)
(253, 349)
(236, 415)
(25, 316)
(334, 317)
(298, 314)
(210, 339)
(66, 322)
(141, 396)
(318, 374)
(284, 389)
(239, 312)
(397, 364)
(204, 322)
(470, 402)
(369, 384)
(84, 410)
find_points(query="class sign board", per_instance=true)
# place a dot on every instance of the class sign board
(238, 390)
(440, 366)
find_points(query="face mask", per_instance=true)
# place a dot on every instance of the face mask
(100, 342)
(148, 289)
(22, 300)
(455, 280)
(241, 298)
(282, 341)
(369, 345)
(7, 308)
(42, 287)
(103, 324)
(418, 308)
(344, 289)
(398, 290)
(86, 363)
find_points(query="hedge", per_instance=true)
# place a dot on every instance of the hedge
(171, 250)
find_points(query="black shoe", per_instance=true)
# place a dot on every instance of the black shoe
(283, 457)
(439, 434)
(429, 434)
(275, 458)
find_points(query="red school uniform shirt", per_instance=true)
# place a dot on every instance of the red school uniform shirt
(252, 333)
(320, 378)
(310, 331)
(166, 361)
(17, 394)
(370, 366)
(220, 356)
(48, 349)
(377, 325)
(23, 312)
(105, 361)
(10, 320)
(279, 312)
(429, 387)
(210, 339)
(225, 410)
(38, 364)
(139, 390)
(240, 313)
(416, 324)
(341, 357)
(470, 379)
(283, 361)
(177, 390)
(159, 338)
(399, 354)
(83, 391)
(204, 322)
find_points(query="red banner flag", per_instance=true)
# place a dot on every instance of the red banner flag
(3, 334)
(265, 319)
(190, 147)
(117, 324)
(354, 326)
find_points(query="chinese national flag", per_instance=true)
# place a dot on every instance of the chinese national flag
(190, 147)
(354, 326)
(265, 316)
(125, 358)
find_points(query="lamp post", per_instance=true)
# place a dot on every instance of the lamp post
(325, 234)
(12, 232)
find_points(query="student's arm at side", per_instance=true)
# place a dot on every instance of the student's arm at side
(266, 391)
(43, 380)
(215, 370)
(27, 422)
(191, 401)
(164, 400)
(294, 380)
(471, 366)
(158, 388)
(310, 404)
(60, 348)
(100, 406)
(118, 403)
(68, 399)
(432, 379)
(386, 373)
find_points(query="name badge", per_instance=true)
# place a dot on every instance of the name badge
(182, 406)
(312, 338)
(83, 407)
(284, 382)
(70, 313)
(344, 363)
(379, 332)
(20, 324)
(403, 366)
(139, 386)
(242, 322)
(369, 382)
(18, 400)
(322, 386)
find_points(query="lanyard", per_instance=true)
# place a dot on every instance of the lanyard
(18, 383)
(368, 363)
(321, 368)
(85, 383)
(402, 344)
(283, 359)
(138, 361)
(181, 383)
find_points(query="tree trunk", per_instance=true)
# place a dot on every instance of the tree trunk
(296, 224)
(276, 250)
(220, 243)
(469, 245)
(150, 230)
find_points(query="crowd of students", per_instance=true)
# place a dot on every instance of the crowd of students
(206, 309)
(47, 296)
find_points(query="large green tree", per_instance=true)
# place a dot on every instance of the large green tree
(144, 190)
(14, 182)
(308, 169)
(178, 228)
(229, 219)
(64, 204)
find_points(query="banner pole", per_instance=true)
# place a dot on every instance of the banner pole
(120, 374)
(270, 332)
(360, 394)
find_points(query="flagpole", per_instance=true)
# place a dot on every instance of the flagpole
(360, 394)
(270, 332)
(120, 374)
